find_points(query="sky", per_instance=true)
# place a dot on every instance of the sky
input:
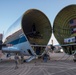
(11, 10)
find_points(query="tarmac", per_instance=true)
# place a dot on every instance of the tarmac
(59, 64)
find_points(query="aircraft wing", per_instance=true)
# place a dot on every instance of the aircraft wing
(10, 49)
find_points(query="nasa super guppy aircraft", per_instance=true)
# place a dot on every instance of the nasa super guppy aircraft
(29, 35)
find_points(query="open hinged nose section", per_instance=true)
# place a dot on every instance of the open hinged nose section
(37, 28)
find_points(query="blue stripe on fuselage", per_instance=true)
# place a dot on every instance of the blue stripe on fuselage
(19, 40)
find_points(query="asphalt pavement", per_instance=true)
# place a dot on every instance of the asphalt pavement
(59, 64)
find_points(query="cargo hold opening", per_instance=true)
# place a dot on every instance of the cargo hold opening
(36, 27)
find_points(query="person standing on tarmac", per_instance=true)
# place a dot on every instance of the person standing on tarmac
(16, 60)
(45, 57)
